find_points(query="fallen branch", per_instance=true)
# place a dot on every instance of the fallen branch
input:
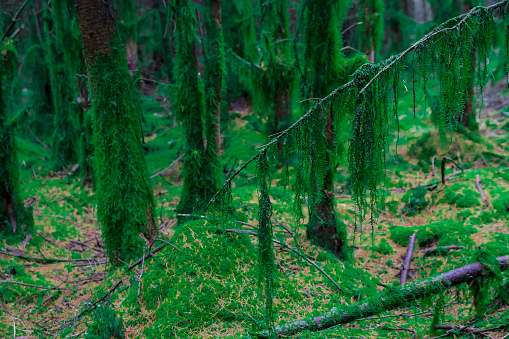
(167, 168)
(30, 285)
(399, 328)
(385, 301)
(408, 258)
(479, 188)
(439, 248)
(44, 260)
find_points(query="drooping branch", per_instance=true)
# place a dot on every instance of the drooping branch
(386, 301)
(367, 80)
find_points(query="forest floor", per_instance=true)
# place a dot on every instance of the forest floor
(207, 288)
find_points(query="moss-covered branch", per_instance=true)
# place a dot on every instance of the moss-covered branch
(388, 300)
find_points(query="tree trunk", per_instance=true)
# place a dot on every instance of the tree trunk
(386, 301)
(59, 57)
(214, 70)
(129, 23)
(125, 200)
(200, 163)
(323, 228)
(14, 217)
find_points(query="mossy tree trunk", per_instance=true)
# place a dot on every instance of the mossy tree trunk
(124, 194)
(41, 99)
(323, 73)
(200, 166)
(279, 71)
(58, 53)
(214, 71)
(240, 36)
(14, 217)
(389, 300)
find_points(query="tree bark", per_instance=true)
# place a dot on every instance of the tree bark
(125, 199)
(385, 301)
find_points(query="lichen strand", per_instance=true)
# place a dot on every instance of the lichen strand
(15, 219)
(124, 194)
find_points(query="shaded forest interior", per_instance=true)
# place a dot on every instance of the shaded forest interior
(254, 169)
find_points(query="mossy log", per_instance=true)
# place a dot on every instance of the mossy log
(385, 301)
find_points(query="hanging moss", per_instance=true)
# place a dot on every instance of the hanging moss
(15, 219)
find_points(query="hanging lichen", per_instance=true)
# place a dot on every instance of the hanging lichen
(15, 219)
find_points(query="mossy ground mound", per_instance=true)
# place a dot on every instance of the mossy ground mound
(208, 288)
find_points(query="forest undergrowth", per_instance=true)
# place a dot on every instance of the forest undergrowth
(204, 285)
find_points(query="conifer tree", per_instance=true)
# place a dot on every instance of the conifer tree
(124, 194)
(61, 58)
(325, 69)
(200, 162)
(14, 217)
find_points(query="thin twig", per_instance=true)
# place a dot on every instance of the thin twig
(15, 19)
(167, 168)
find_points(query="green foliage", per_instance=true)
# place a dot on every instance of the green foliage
(106, 324)
(444, 233)
(15, 219)
(125, 203)
(462, 196)
(384, 247)
(415, 201)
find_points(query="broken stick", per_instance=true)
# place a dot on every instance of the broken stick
(408, 258)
